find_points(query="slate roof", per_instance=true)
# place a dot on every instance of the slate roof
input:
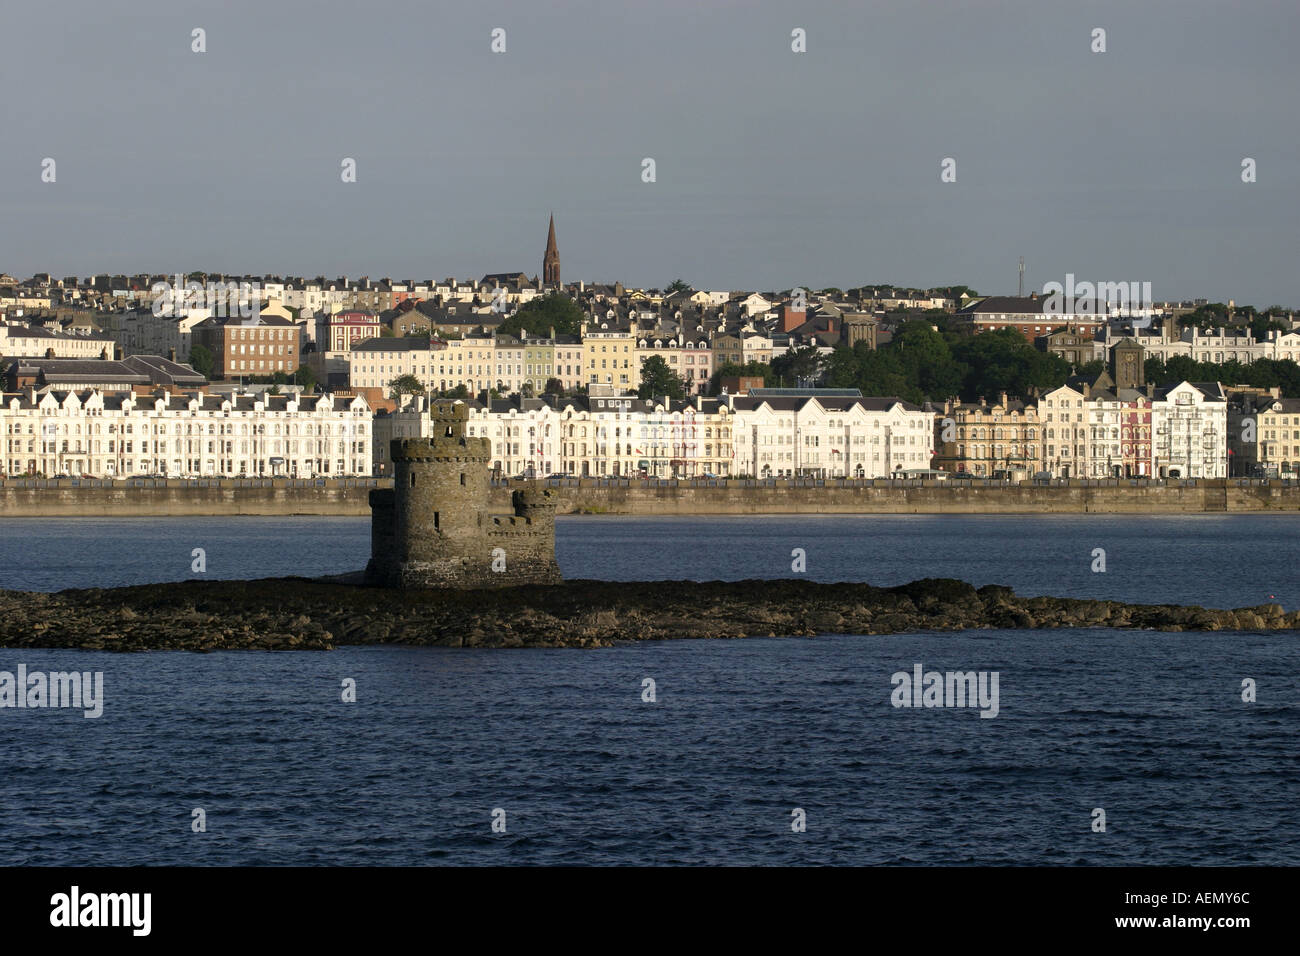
(162, 371)
(836, 403)
(63, 370)
(1013, 305)
(250, 321)
(41, 332)
(404, 343)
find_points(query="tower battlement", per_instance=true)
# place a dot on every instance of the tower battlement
(434, 529)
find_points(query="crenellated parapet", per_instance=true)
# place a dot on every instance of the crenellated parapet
(433, 528)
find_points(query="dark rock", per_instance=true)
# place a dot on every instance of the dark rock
(297, 613)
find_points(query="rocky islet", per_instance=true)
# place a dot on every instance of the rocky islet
(305, 614)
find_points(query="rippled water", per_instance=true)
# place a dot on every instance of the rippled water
(1148, 726)
(1216, 561)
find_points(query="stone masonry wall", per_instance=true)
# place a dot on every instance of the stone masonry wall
(230, 497)
(442, 533)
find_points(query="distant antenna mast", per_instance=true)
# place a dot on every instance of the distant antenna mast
(1021, 293)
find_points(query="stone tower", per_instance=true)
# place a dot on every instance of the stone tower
(433, 528)
(1126, 364)
(551, 260)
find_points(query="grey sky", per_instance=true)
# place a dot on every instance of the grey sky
(774, 168)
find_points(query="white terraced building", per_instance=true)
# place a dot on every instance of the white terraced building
(1214, 346)
(1191, 431)
(18, 340)
(625, 436)
(597, 436)
(829, 436)
(184, 436)
(474, 362)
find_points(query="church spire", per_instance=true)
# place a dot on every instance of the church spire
(551, 260)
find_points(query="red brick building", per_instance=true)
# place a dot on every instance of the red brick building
(1026, 315)
(244, 347)
(346, 329)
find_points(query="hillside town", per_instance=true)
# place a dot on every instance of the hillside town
(203, 375)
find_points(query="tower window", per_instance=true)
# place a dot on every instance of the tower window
(412, 479)
(462, 477)
(435, 521)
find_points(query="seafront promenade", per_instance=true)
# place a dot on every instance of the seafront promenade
(137, 497)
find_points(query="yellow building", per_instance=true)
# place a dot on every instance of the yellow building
(608, 358)
(982, 438)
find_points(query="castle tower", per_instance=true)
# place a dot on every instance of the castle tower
(433, 528)
(551, 259)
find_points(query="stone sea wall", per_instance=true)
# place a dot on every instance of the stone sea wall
(143, 497)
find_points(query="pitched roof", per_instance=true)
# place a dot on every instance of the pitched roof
(1014, 305)
(164, 371)
(404, 343)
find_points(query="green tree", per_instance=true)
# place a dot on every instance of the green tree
(677, 285)
(658, 379)
(840, 369)
(553, 387)
(1264, 323)
(305, 377)
(460, 392)
(801, 364)
(405, 385)
(880, 373)
(1181, 368)
(1003, 361)
(555, 310)
(1212, 316)
(926, 359)
(201, 360)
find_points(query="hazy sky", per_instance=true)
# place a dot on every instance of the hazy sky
(774, 168)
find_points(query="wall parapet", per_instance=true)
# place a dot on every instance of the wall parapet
(351, 496)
